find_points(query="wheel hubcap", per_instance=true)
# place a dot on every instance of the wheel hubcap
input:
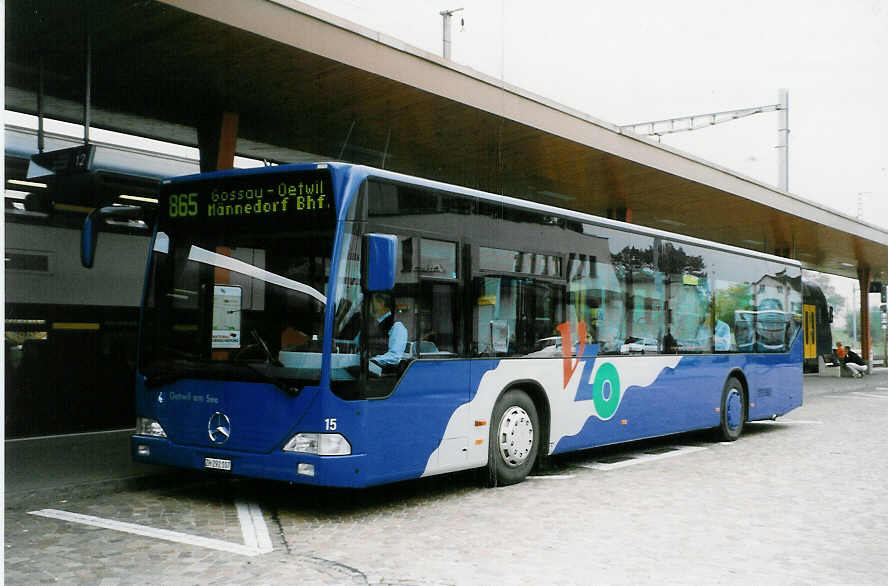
(734, 409)
(515, 436)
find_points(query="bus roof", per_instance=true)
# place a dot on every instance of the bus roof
(364, 171)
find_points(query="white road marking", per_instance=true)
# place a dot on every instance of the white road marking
(253, 527)
(155, 533)
(792, 422)
(870, 396)
(882, 388)
(845, 396)
(642, 458)
(552, 477)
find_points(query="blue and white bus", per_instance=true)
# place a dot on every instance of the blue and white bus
(340, 325)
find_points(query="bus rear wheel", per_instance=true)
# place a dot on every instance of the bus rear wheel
(733, 410)
(514, 439)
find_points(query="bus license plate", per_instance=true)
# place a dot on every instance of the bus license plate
(217, 464)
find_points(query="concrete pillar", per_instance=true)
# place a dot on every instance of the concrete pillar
(864, 277)
(217, 140)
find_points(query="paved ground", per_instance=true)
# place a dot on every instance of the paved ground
(97, 463)
(798, 501)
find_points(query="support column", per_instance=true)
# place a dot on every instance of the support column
(217, 140)
(864, 277)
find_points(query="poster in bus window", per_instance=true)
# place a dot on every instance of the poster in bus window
(226, 316)
(499, 336)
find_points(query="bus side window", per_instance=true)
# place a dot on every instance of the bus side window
(688, 283)
(515, 316)
(494, 313)
(437, 319)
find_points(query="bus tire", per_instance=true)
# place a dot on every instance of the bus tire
(733, 410)
(514, 439)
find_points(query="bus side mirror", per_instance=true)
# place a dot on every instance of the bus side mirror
(830, 314)
(89, 234)
(379, 262)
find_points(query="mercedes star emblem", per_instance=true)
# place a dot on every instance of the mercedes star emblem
(219, 428)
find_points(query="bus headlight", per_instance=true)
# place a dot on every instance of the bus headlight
(322, 444)
(149, 427)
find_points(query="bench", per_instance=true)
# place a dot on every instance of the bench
(829, 365)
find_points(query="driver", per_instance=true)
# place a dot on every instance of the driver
(393, 332)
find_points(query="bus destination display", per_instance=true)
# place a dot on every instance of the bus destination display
(300, 198)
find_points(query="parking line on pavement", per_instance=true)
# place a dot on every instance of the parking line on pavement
(635, 458)
(856, 395)
(551, 477)
(871, 396)
(146, 531)
(791, 422)
(253, 527)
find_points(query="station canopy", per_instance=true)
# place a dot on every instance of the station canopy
(306, 85)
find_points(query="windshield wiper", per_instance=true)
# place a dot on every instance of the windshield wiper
(155, 380)
(269, 357)
(180, 353)
(168, 371)
(283, 383)
(185, 364)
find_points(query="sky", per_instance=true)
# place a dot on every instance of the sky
(631, 61)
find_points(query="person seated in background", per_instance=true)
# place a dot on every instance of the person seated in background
(854, 362)
(840, 352)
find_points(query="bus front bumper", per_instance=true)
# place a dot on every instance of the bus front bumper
(340, 471)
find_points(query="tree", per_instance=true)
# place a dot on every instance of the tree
(833, 298)
(729, 300)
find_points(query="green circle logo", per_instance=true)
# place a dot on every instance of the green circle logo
(606, 390)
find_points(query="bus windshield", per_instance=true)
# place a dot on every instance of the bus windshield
(236, 297)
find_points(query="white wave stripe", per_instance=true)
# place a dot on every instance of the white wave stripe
(465, 445)
(633, 372)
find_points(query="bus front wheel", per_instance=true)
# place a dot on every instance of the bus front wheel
(514, 439)
(733, 410)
